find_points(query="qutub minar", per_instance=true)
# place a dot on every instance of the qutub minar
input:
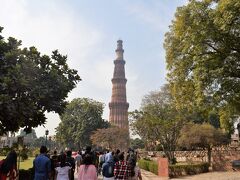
(118, 105)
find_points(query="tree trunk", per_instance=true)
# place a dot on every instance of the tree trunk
(209, 153)
(170, 156)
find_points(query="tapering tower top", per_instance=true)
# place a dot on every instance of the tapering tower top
(119, 51)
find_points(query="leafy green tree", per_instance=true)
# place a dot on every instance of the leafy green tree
(214, 119)
(203, 136)
(31, 84)
(137, 143)
(81, 117)
(227, 120)
(202, 53)
(158, 121)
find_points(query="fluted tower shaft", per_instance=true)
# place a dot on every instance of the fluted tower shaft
(118, 105)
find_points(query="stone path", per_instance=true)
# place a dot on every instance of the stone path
(146, 175)
(213, 176)
(205, 176)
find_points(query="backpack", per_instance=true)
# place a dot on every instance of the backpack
(108, 169)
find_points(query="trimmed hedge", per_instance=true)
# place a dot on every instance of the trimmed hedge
(188, 169)
(148, 165)
(174, 170)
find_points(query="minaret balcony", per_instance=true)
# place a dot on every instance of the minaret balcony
(119, 80)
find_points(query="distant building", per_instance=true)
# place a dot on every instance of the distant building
(8, 140)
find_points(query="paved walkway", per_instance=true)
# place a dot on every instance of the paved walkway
(205, 176)
(146, 175)
(213, 176)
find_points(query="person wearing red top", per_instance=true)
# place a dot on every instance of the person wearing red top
(8, 167)
(121, 169)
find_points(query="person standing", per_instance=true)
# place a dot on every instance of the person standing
(87, 170)
(101, 160)
(71, 161)
(121, 169)
(42, 165)
(54, 164)
(115, 156)
(108, 168)
(8, 167)
(78, 159)
(63, 172)
(135, 170)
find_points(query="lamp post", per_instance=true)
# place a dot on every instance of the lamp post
(50, 142)
(46, 134)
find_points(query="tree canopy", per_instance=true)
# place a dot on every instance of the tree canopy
(203, 136)
(203, 57)
(111, 138)
(31, 84)
(81, 117)
(158, 121)
(137, 143)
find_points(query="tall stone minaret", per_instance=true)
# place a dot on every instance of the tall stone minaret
(118, 105)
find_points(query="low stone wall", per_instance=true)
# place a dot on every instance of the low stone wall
(191, 156)
(181, 156)
(222, 157)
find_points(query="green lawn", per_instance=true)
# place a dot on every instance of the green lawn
(25, 164)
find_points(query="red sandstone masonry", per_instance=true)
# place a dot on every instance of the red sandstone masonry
(118, 105)
(163, 167)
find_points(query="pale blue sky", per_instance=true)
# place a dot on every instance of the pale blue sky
(87, 32)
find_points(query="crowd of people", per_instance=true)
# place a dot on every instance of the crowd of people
(88, 165)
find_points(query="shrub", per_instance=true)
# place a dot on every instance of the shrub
(24, 155)
(148, 166)
(153, 167)
(174, 170)
(143, 164)
(5, 150)
(188, 169)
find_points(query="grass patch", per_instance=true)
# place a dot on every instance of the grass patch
(24, 164)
